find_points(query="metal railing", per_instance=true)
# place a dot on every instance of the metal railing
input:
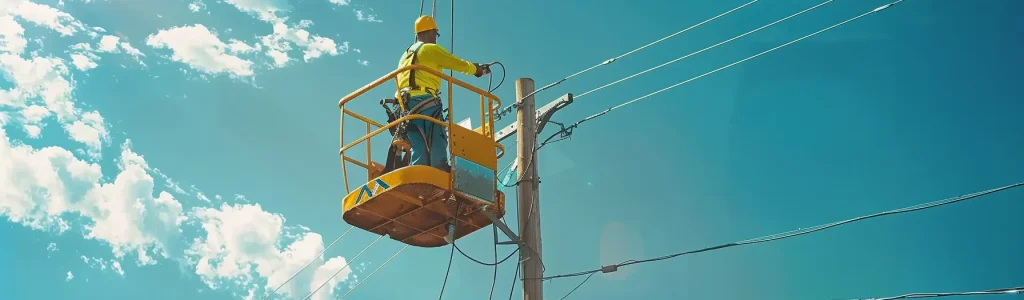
(489, 105)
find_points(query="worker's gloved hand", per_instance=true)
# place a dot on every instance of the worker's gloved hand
(481, 70)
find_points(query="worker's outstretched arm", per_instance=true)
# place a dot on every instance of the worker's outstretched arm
(436, 53)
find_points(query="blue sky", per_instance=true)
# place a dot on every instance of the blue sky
(188, 149)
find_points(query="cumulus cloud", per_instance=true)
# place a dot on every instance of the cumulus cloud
(46, 16)
(49, 188)
(11, 35)
(279, 43)
(69, 276)
(199, 48)
(240, 244)
(89, 129)
(266, 10)
(240, 47)
(104, 264)
(196, 6)
(365, 16)
(113, 44)
(363, 62)
(82, 62)
(44, 82)
(41, 84)
(41, 186)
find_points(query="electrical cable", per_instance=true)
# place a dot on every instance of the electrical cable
(578, 285)
(455, 221)
(514, 277)
(705, 49)
(793, 233)
(497, 262)
(445, 283)
(494, 278)
(489, 90)
(568, 129)
(374, 271)
(514, 105)
(342, 268)
(307, 263)
(1013, 290)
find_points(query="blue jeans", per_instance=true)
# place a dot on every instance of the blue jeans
(438, 157)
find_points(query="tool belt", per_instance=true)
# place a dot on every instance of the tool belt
(399, 151)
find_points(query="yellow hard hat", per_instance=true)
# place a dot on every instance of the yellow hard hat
(425, 23)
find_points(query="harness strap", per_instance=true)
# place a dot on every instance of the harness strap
(412, 51)
(395, 159)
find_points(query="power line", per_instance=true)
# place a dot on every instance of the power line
(705, 49)
(309, 262)
(790, 234)
(1013, 290)
(578, 285)
(374, 271)
(508, 109)
(342, 268)
(568, 129)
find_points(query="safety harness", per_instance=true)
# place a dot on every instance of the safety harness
(399, 151)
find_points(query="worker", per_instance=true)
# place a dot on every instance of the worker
(420, 94)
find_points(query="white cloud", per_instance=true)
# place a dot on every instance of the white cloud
(44, 78)
(279, 43)
(108, 43)
(40, 186)
(114, 44)
(40, 82)
(196, 6)
(364, 16)
(239, 47)
(199, 48)
(52, 247)
(265, 10)
(45, 187)
(47, 16)
(82, 62)
(32, 119)
(90, 130)
(116, 266)
(363, 62)
(340, 2)
(131, 50)
(39, 77)
(203, 197)
(69, 277)
(240, 243)
(11, 35)
(103, 264)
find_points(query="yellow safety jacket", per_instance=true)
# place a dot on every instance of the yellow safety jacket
(433, 56)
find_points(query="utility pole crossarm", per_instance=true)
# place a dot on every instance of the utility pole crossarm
(543, 116)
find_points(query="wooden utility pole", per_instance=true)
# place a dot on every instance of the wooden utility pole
(529, 202)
